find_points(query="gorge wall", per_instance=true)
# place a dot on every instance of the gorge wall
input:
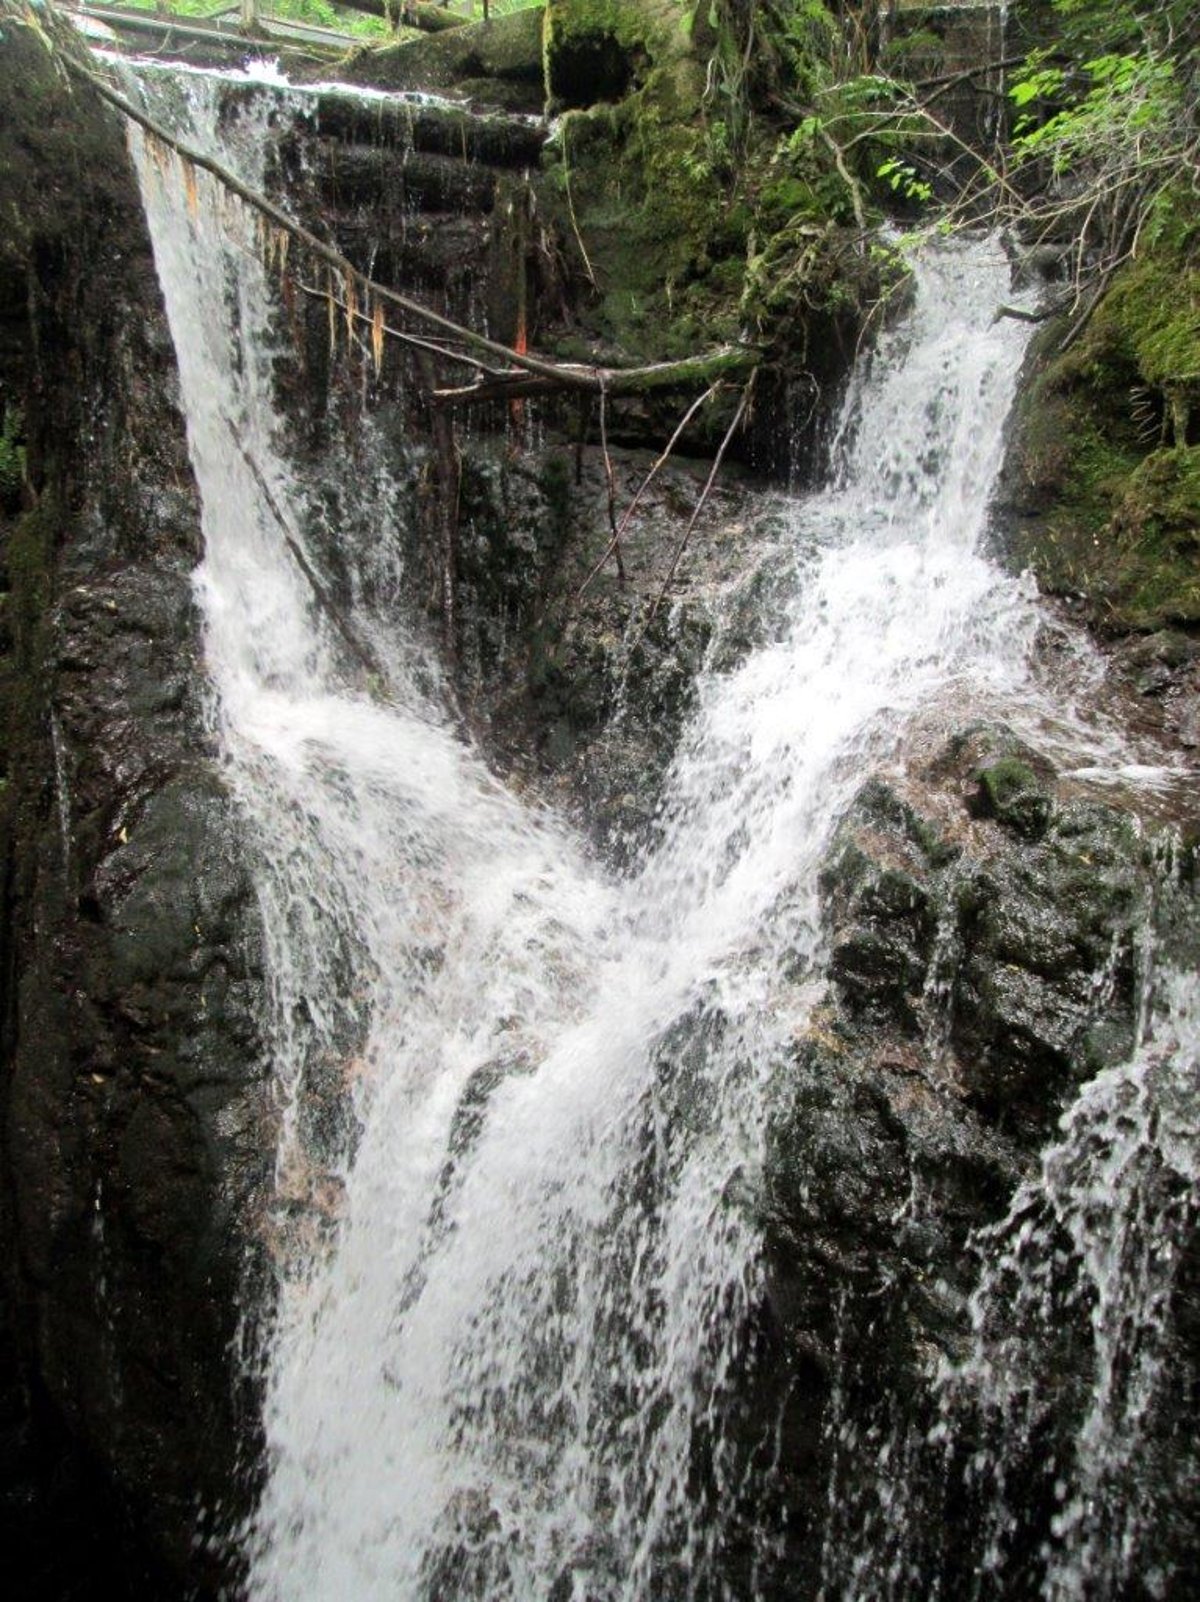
(985, 911)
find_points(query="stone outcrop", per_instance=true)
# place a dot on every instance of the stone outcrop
(987, 923)
(498, 63)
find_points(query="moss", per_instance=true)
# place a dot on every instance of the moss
(1010, 792)
(637, 185)
(1152, 314)
(1107, 455)
(1163, 496)
(596, 50)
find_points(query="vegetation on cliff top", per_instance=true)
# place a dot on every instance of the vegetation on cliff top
(1108, 464)
(699, 200)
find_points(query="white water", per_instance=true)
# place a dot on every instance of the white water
(1060, 1463)
(515, 1282)
(1094, 1243)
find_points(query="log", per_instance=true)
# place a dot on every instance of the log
(221, 34)
(224, 35)
(690, 372)
(414, 14)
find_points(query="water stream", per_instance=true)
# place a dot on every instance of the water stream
(517, 1278)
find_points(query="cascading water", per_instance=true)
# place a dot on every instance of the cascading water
(509, 1372)
(1097, 1239)
(1058, 1464)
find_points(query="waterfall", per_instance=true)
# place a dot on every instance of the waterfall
(518, 1274)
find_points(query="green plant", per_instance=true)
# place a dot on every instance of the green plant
(903, 179)
(321, 13)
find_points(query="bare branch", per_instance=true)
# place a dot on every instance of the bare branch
(701, 503)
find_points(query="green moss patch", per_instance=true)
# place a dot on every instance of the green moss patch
(1108, 450)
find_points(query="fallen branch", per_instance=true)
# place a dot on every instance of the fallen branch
(942, 79)
(1019, 314)
(357, 647)
(729, 360)
(497, 387)
(219, 33)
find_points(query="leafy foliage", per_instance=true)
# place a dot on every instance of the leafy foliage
(320, 13)
(1106, 123)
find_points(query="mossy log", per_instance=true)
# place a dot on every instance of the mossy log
(691, 372)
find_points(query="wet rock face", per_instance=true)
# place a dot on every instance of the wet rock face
(1012, 942)
(578, 676)
(132, 1096)
(985, 929)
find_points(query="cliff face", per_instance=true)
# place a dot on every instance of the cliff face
(988, 926)
(132, 1093)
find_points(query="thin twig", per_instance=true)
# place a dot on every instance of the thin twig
(611, 483)
(851, 183)
(357, 647)
(700, 504)
(645, 485)
(401, 334)
(587, 261)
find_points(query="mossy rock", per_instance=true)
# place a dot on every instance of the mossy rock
(498, 62)
(1103, 485)
(1153, 312)
(637, 174)
(1010, 792)
(599, 50)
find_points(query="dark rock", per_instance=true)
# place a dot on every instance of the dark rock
(578, 682)
(134, 1112)
(983, 965)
